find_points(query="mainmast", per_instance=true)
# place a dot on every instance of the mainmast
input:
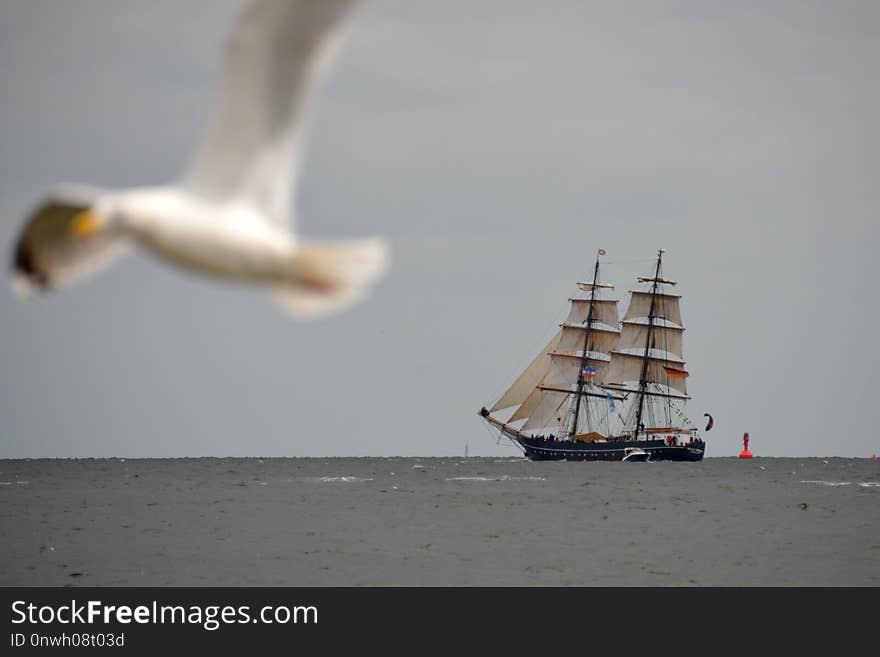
(576, 357)
(584, 357)
(643, 379)
(648, 360)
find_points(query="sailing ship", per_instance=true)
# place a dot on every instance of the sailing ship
(605, 389)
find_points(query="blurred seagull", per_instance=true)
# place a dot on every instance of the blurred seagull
(228, 216)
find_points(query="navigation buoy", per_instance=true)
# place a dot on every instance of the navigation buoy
(874, 458)
(745, 454)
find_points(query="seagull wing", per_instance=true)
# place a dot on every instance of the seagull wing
(48, 255)
(254, 137)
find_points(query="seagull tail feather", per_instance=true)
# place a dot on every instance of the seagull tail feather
(331, 276)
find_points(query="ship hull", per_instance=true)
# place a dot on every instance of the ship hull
(566, 450)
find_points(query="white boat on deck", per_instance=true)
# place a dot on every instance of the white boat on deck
(635, 455)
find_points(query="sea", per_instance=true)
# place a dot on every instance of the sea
(439, 522)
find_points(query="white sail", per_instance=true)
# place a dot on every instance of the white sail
(651, 330)
(563, 364)
(599, 340)
(533, 375)
(564, 370)
(563, 375)
(665, 306)
(604, 311)
(528, 406)
(550, 412)
(664, 339)
(626, 368)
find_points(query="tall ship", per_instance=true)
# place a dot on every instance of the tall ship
(605, 389)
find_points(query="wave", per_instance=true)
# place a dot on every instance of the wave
(501, 478)
(344, 479)
(863, 484)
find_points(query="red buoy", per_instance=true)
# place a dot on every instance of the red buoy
(745, 454)
(874, 458)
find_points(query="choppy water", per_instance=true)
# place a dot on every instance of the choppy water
(440, 521)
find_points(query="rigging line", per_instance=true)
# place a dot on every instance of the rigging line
(682, 415)
(514, 443)
(501, 435)
(488, 427)
(606, 418)
(625, 262)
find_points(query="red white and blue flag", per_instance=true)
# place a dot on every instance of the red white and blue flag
(588, 371)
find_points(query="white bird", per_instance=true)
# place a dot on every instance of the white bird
(229, 215)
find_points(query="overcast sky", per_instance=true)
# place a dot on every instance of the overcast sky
(497, 144)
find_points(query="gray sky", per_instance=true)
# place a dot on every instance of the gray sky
(497, 144)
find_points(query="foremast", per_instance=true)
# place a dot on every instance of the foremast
(585, 369)
(568, 369)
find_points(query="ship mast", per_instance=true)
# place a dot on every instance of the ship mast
(584, 361)
(578, 353)
(643, 378)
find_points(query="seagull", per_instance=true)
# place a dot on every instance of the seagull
(230, 214)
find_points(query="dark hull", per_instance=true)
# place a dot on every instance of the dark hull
(566, 450)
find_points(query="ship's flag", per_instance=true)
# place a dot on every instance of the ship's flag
(673, 373)
(710, 423)
(588, 371)
(610, 401)
(601, 252)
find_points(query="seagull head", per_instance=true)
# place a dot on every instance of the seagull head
(113, 214)
(86, 222)
(97, 218)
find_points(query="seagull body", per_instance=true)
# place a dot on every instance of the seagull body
(229, 216)
(221, 240)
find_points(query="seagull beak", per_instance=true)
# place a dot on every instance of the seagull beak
(85, 223)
